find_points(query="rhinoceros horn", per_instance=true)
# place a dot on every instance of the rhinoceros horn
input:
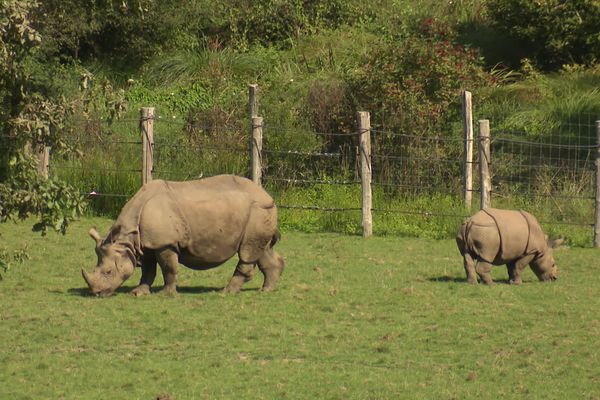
(86, 277)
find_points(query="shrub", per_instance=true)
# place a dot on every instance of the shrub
(412, 81)
(269, 22)
(553, 32)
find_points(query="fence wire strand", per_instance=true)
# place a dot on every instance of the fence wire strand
(558, 168)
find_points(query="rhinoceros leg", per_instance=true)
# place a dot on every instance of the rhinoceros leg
(469, 265)
(511, 268)
(148, 276)
(169, 265)
(271, 265)
(483, 269)
(519, 266)
(243, 273)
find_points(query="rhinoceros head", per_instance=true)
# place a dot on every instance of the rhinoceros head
(544, 266)
(116, 263)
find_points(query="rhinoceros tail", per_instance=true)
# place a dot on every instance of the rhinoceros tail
(461, 238)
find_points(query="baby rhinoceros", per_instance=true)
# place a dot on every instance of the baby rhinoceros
(515, 238)
(200, 224)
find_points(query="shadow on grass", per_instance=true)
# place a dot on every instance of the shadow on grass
(455, 279)
(85, 292)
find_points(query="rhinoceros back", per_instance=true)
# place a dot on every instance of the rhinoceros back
(499, 235)
(209, 219)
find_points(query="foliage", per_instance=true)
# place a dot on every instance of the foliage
(125, 33)
(410, 82)
(29, 121)
(279, 23)
(553, 32)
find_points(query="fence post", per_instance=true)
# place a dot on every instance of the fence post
(252, 102)
(44, 161)
(468, 138)
(597, 194)
(364, 130)
(42, 155)
(485, 185)
(147, 131)
(256, 150)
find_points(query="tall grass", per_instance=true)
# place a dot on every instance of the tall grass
(550, 106)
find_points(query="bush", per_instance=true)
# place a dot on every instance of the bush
(553, 32)
(274, 22)
(412, 81)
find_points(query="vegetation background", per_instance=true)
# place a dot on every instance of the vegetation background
(75, 74)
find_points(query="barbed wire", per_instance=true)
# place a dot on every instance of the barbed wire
(194, 149)
(275, 129)
(310, 181)
(303, 153)
(117, 170)
(317, 208)
(96, 194)
(422, 213)
(419, 137)
(410, 158)
(542, 144)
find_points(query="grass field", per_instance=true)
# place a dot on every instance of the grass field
(381, 318)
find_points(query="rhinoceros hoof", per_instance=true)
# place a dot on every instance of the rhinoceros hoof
(141, 290)
(515, 281)
(168, 291)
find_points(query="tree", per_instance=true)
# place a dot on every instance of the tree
(32, 115)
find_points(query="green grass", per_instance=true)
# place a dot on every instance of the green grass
(352, 318)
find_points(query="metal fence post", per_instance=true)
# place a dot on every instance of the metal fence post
(147, 131)
(364, 130)
(485, 185)
(468, 148)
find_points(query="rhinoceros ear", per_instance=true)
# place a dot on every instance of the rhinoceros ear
(94, 234)
(556, 242)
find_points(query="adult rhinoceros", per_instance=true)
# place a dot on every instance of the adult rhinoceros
(515, 238)
(200, 224)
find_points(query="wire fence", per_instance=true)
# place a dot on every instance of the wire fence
(416, 180)
(553, 175)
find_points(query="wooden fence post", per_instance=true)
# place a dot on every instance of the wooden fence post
(44, 162)
(147, 131)
(597, 210)
(364, 130)
(252, 102)
(485, 185)
(256, 150)
(42, 154)
(468, 148)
